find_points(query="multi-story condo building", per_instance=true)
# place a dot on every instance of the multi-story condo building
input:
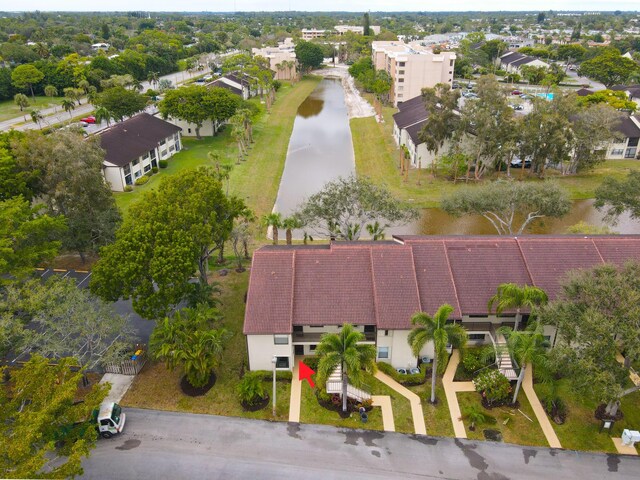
(282, 59)
(342, 29)
(311, 33)
(412, 67)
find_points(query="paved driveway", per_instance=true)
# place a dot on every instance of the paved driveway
(167, 445)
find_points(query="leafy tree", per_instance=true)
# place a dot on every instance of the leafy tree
(511, 295)
(188, 340)
(26, 76)
(596, 316)
(503, 202)
(14, 180)
(309, 55)
(571, 52)
(436, 329)
(39, 436)
(69, 321)
(220, 105)
(27, 237)
(526, 347)
(68, 106)
(617, 196)
(609, 68)
(21, 100)
(366, 25)
(441, 103)
(615, 99)
(587, 229)
(186, 103)
(121, 102)
(534, 75)
(72, 185)
(343, 208)
(493, 386)
(170, 234)
(345, 351)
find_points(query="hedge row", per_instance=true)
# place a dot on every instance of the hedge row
(406, 380)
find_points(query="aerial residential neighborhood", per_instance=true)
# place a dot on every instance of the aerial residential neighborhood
(257, 242)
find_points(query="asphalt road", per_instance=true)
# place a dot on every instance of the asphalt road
(167, 445)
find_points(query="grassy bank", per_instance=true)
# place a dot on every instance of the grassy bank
(9, 110)
(256, 179)
(377, 157)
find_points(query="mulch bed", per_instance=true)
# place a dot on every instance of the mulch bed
(255, 406)
(192, 391)
(601, 414)
(352, 407)
(505, 403)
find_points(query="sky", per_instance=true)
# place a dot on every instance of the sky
(314, 5)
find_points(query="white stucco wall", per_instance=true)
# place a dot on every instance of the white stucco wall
(399, 351)
(262, 349)
(189, 129)
(114, 177)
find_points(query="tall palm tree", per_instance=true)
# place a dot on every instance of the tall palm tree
(290, 224)
(345, 350)
(102, 113)
(376, 231)
(68, 105)
(512, 295)
(273, 220)
(526, 347)
(441, 333)
(51, 91)
(37, 117)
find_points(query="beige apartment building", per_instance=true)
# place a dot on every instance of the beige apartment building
(282, 59)
(412, 67)
(311, 33)
(342, 29)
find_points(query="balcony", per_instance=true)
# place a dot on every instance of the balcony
(301, 338)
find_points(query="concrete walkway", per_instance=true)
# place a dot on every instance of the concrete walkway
(119, 385)
(384, 402)
(541, 415)
(296, 393)
(450, 389)
(416, 407)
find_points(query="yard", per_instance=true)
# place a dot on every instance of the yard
(581, 430)
(9, 110)
(157, 388)
(256, 179)
(378, 158)
(436, 417)
(510, 422)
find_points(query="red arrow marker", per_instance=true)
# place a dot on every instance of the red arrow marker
(305, 373)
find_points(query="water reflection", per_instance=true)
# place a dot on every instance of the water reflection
(320, 148)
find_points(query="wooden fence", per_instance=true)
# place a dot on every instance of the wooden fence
(128, 366)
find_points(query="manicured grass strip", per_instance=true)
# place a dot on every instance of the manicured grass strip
(258, 177)
(436, 417)
(9, 110)
(515, 428)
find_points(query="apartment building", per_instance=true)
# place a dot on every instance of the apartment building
(312, 33)
(282, 59)
(412, 67)
(342, 29)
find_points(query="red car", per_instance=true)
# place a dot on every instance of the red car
(88, 119)
(516, 92)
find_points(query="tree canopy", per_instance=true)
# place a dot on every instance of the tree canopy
(618, 196)
(508, 205)
(121, 102)
(344, 207)
(169, 235)
(309, 55)
(609, 68)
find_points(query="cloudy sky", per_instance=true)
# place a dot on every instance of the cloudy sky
(314, 5)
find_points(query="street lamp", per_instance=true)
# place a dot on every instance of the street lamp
(274, 360)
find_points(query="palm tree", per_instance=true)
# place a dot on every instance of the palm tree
(68, 105)
(511, 295)
(290, 224)
(37, 117)
(101, 114)
(21, 100)
(343, 349)
(376, 231)
(273, 220)
(476, 416)
(51, 91)
(441, 333)
(153, 78)
(526, 347)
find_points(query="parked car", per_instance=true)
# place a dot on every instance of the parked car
(90, 119)
(516, 92)
(524, 96)
(517, 107)
(517, 163)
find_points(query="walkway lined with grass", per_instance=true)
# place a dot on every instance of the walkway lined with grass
(384, 402)
(296, 392)
(416, 407)
(541, 415)
(450, 389)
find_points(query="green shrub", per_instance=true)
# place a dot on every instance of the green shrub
(407, 380)
(476, 358)
(128, 188)
(312, 363)
(251, 389)
(163, 163)
(267, 375)
(493, 385)
(154, 170)
(142, 180)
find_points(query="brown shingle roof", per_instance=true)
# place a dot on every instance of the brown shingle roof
(134, 137)
(385, 283)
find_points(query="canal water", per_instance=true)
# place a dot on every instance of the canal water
(321, 150)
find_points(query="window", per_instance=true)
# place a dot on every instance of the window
(316, 326)
(547, 338)
(127, 170)
(147, 168)
(282, 362)
(617, 151)
(163, 141)
(154, 163)
(176, 137)
(386, 333)
(189, 130)
(137, 174)
(172, 148)
(152, 153)
(127, 180)
(401, 64)
(145, 157)
(163, 153)
(383, 352)
(633, 142)
(400, 72)
(450, 64)
(399, 95)
(476, 336)
(630, 153)
(312, 348)
(400, 80)
(281, 339)
(135, 162)
(400, 88)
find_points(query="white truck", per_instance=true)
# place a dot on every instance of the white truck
(109, 419)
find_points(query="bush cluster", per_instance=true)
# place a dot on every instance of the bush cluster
(163, 163)
(142, 180)
(407, 380)
(494, 387)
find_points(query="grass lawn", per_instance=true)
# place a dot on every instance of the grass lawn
(581, 430)
(377, 157)
(517, 429)
(436, 417)
(9, 110)
(157, 388)
(256, 179)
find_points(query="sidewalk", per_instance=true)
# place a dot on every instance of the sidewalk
(296, 393)
(541, 415)
(119, 385)
(416, 407)
(450, 389)
(384, 402)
